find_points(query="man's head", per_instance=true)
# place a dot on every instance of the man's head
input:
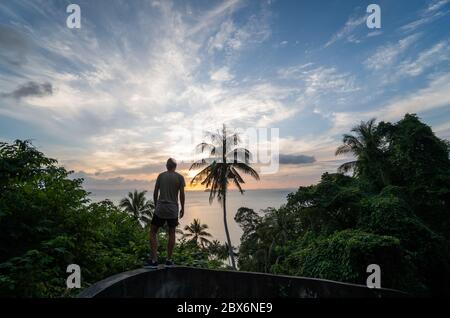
(171, 164)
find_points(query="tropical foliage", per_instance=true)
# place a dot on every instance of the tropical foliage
(223, 166)
(197, 232)
(394, 211)
(48, 222)
(138, 206)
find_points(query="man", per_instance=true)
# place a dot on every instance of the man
(169, 185)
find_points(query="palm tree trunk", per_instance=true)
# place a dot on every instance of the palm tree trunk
(227, 233)
(224, 189)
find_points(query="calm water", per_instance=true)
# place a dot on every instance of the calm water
(198, 207)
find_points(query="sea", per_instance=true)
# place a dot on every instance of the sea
(197, 206)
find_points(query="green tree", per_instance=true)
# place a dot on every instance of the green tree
(335, 228)
(224, 162)
(196, 231)
(366, 145)
(219, 250)
(138, 206)
(422, 169)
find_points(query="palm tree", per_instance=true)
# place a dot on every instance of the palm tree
(367, 146)
(197, 232)
(137, 205)
(224, 162)
(218, 249)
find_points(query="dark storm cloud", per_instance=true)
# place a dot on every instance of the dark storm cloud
(296, 159)
(31, 89)
(14, 46)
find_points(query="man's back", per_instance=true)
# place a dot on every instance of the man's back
(167, 187)
(169, 184)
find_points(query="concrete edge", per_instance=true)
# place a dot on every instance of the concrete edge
(98, 287)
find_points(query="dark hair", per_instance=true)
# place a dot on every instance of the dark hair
(171, 164)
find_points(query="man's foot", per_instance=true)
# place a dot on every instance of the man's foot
(170, 263)
(151, 264)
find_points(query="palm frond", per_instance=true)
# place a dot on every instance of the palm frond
(247, 170)
(346, 167)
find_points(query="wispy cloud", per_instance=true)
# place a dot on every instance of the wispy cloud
(435, 95)
(431, 13)
(328, 80)
(387, 54)
(350, 25)
(440, 52)
(231, 38)
(115, 98)
(221, 75)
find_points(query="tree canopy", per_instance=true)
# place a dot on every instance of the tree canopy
(393, 211)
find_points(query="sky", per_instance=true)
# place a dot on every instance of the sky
(115, 98)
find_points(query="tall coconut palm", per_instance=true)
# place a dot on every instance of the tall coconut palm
(224, 163)
(366, 145)
(137, 205)
(197, 232)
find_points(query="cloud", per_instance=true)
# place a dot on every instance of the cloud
(211, 16)
(14, 46)
(320, 80)
(325, 80)
(146, 169)
(350, 25)
(387, 54)
(435, 95)
(295, 159)
(31, 89)
(402, 63)
(231, 38)
(374, 33)
(169, 67)
(222, 38)
(436, 5)
(93, 183)
(221, 75)
(294, 72)
(430, 14)
(438, 53)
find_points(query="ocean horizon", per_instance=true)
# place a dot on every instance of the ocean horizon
(197, 207)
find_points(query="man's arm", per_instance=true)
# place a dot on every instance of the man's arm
(155, 193)
(182, 202)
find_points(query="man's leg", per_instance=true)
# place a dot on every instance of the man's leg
(154, 242)
(171, 242)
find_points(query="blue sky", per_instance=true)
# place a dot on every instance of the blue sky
(112, 99)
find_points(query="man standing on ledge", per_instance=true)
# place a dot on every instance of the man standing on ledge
(168, 185)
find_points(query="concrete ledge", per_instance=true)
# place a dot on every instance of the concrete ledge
(188, 282)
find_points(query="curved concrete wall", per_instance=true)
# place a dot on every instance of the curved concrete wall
(187, 282)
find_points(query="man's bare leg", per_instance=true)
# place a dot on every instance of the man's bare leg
(170, 242)
(154, 242)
